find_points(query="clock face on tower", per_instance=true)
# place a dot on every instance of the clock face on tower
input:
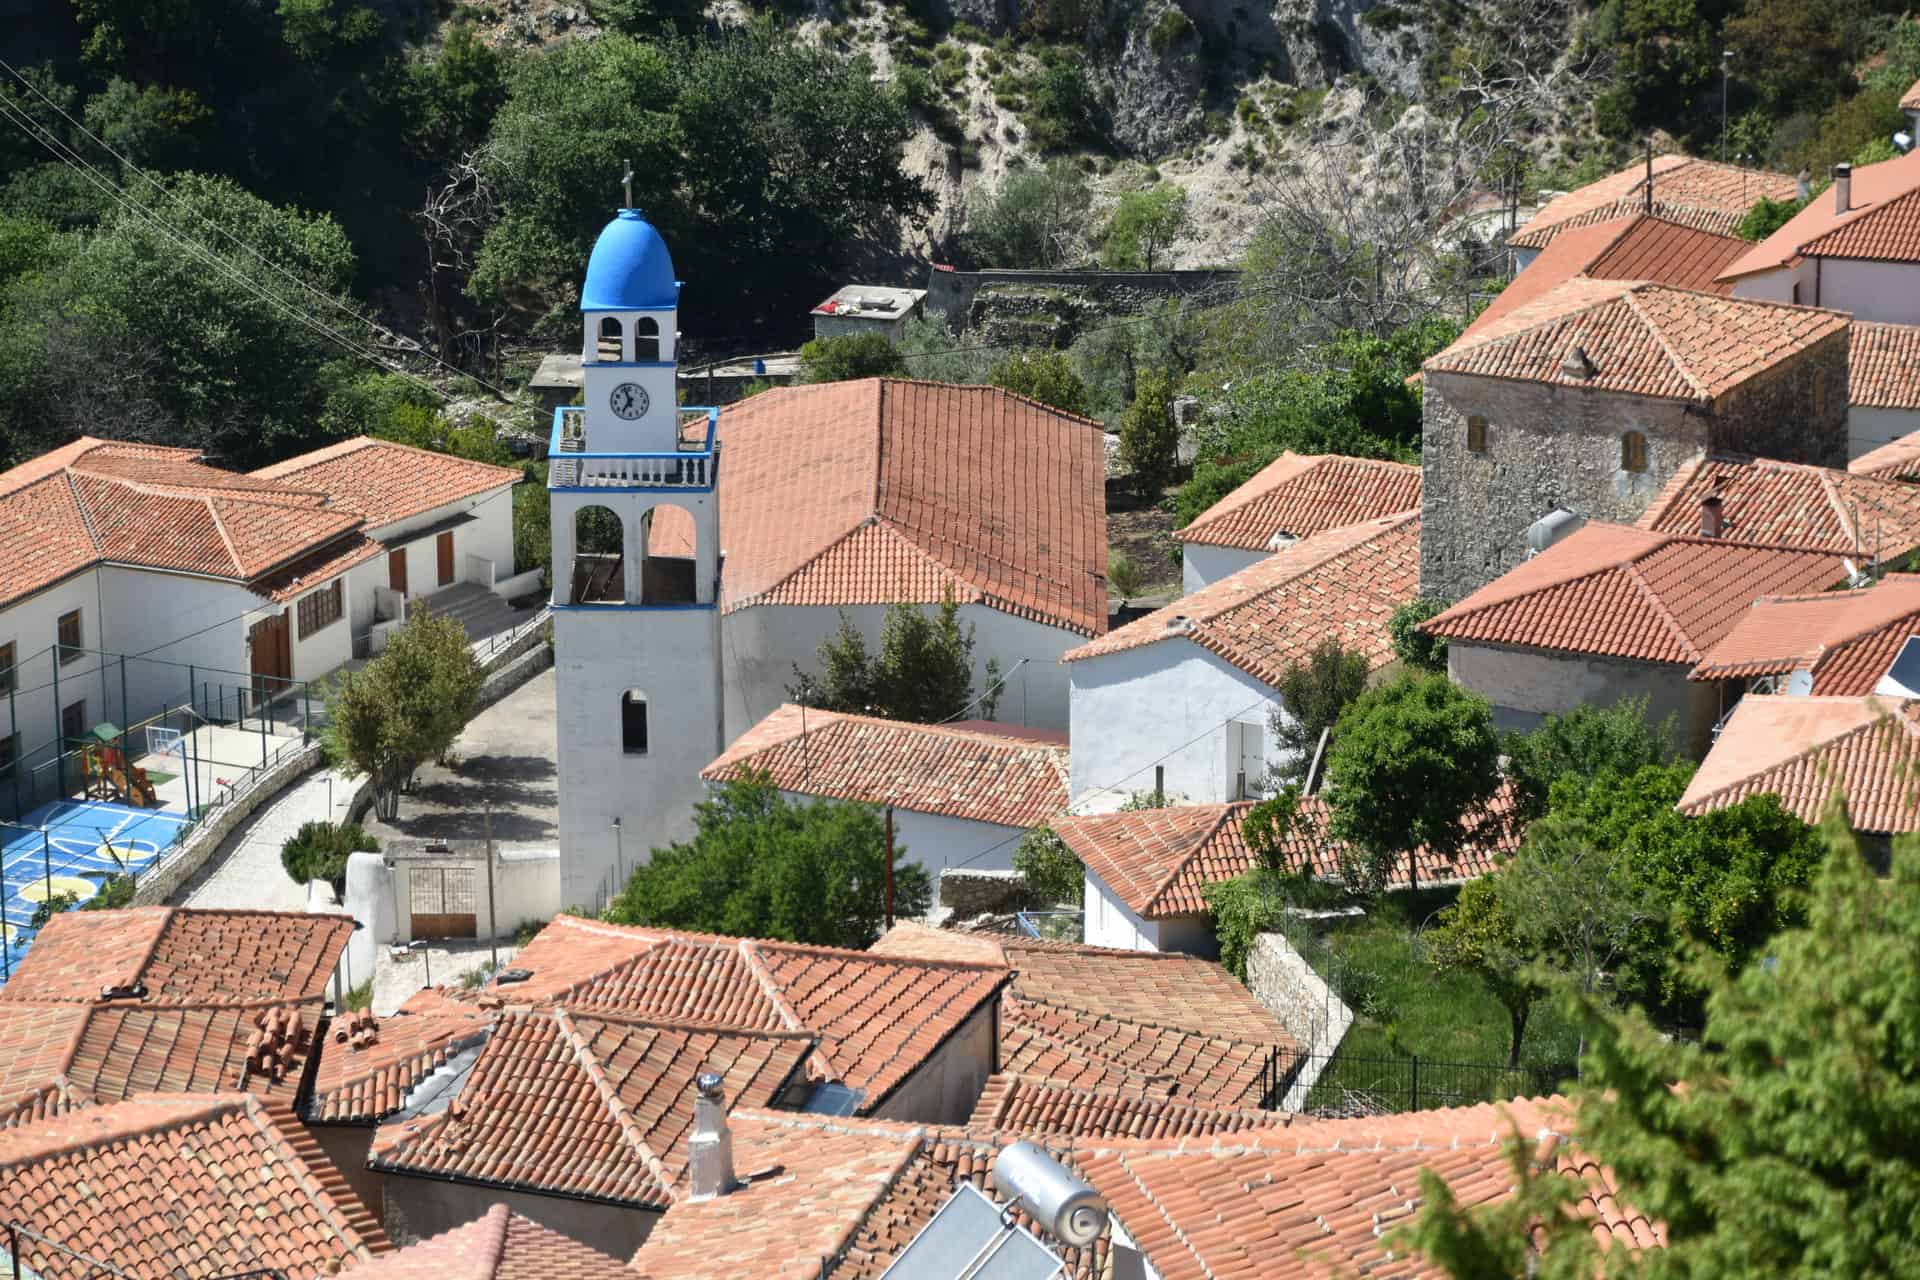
(628, 400)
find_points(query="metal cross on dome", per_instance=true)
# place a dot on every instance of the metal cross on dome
(626, 183)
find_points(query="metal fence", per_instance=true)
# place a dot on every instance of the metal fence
(1346, 1085)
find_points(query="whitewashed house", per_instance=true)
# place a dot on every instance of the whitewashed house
(701, 556)
(961, 795)
(1180, 699)
(1883, 387)
(134, 578)
(1293, 497)
(1854, 248)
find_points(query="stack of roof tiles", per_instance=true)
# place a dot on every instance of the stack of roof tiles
(168, 1185)
(1622, 592)
(1806, 750)
(372, 1063)
(1341, 584)
(880, 491)
(958, 772)
(1640, 339)
(1298, 495)
(1844, 641)
(1697, 193)
(1160, 861)
(115, 1003)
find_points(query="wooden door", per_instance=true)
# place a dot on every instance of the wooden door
(443, 549)
(270, 650)
(441, 902)
(397, 570)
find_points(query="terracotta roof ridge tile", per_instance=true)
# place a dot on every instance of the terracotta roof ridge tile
(169, 1111)
(1167, 1216)
(872, 957)
(226, 539)
(1660, 610)
(657, 1022)
(323, 1183)
(1659, 336)
(750, 955)
(86, 516)
(630, 1130)
(1186, 860)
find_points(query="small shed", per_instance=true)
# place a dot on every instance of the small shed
(867, 308)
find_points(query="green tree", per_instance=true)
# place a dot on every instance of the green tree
(1149, 436)
(319, 851)
(1270, 825)
(1583, 744)
(1046, 376)
(1413, 646)
(1311, 696)
(404, 708)
(1144, 225)
(1037, 219)
(849, 356)
(1060, 100)
(1124, 576)
(1052, 872)
(1412, 766)
(1766, 217)
(1478, 934)
(762, 866)
(923, 672)
(1779, 1144)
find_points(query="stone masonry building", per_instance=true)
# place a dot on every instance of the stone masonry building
(1592, 397)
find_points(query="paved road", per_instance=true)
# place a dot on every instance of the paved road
(245, 870)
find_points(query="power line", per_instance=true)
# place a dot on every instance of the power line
(325, 297)
(79, 164)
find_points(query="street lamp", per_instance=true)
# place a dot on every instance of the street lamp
(1726, 75)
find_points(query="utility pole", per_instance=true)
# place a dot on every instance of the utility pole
(889, 866)
(1726, 75)
(493, 926)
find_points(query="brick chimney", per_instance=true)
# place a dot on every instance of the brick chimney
(1842, 188)
(710, 1152)
(1713, 522)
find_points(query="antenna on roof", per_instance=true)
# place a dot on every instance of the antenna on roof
(1647, 202)
(626, 184)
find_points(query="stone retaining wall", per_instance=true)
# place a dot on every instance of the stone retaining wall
(1117, 291)
(971, 893)
(1313, 1015)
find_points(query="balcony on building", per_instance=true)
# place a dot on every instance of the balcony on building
(693, 463)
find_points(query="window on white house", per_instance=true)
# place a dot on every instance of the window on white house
(633, 722)
(319, 609)
(1246, 759)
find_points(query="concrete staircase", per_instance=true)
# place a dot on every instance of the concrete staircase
(481, 612)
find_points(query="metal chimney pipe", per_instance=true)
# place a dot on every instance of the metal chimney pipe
(710, 1150)
(1842, 188)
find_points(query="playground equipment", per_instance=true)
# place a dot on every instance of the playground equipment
(105, 772)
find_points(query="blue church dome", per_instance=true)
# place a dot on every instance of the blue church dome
(630, 269)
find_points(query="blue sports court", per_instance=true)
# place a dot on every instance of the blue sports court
(72, 846)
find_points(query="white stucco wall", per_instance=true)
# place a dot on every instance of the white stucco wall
(1868, 428)
(672, 655)
(488, 535)
(1109, 922)
(32, 626)
(1201, 564)
(1165, 703)
(1777, 285)
(936, 841)
(1525, 685)
(764, 642)
(944, 1088)
(1886, 291)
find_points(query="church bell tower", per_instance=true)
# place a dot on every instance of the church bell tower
(632, 481)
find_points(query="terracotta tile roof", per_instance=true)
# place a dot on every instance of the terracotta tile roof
(1622, 592)
(1342, 583)
(116, 1003)
(596, 1107)
(875, 1019)
(1158, 861)
(1319, 1199)
(941, 769)
(1803, 749)
(1164, 1024)
(1698, 192)
(1637, 247)
(818, 1183)
(1843, 640)
(368, 1065)
(1895, 460)
(42, 1103)
(1041, 1109)
(96, 501)
(1792, 504)
(170, 1185)
(498, 1245)
(1298, 495)
(1883, 362)
(1881, 222)
(318, 568)
(1641, 339)
(381, 482)
(880, 490)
